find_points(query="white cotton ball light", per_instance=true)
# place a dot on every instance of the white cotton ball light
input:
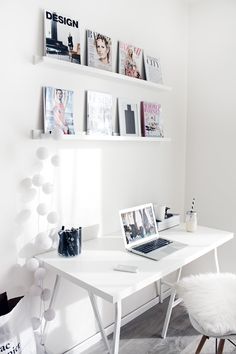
(28, 195)
(57, 133)
(26, 183)
(42, 241)
(47, 188)
(49, 315)
(23, 216)
(40, 273)
(42, 209)
(52, 217)
(42, 153)
(37, 180)
(46, 294)
(55, 160)
(32, 264)
(35, 323)
(35, 290)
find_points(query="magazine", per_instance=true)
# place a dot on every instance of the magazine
(130, 60)
(153, 69)
(58, 110)
(128, 118)
(62, 37)
(99, 51)
(99, 113)
(151, 120)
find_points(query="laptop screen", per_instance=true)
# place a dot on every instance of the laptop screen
(138, 223)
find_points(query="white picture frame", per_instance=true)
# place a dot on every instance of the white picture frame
(129, 117)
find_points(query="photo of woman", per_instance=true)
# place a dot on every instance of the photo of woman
(103, 48)
(130, 60)
(58, 110)
(99, 50)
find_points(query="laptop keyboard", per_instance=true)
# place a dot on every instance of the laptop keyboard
(153, 245)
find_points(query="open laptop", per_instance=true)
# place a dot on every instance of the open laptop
(140, 233)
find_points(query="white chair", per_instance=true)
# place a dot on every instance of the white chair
(210, 300)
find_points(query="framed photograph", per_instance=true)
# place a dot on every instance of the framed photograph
(99, 113)
(151, 120)
(129, 121)
(58, 110)
(99, 51)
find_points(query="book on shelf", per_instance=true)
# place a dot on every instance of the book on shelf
(58, 110)
(99, 113)
(153, 69)
(130, 60)
(99, 51)
(129, 121)
(61, 37)
(151, 120)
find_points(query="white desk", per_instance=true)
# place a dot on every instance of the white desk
(93, 269)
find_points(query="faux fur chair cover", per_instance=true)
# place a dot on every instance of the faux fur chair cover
(210, 300)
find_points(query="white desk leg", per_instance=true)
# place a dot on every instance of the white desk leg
(168, 313)
(116, 334)
(171, 305)
(158, 290)
(52, 301)
(216, 260)
(99, 320)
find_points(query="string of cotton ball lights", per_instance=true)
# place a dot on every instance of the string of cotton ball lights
(44, 239)
(37, 289)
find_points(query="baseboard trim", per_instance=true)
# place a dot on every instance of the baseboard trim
(87, 343)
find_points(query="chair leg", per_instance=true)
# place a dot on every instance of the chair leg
(221, 346)
(201, 344)
(232, 342)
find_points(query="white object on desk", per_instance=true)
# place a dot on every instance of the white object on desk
(191, 221)
(126, 268)
(99, 278)
(172, 221)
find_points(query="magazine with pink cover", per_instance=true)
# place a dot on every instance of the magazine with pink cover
(151, 120)
(130, 60)
(153, 69)
(99, 51)
(99, 113)
(58, 110)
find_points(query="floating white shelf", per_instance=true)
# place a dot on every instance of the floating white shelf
(87, 70)
(37, 134)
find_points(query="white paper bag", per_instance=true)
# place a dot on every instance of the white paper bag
(16, 332)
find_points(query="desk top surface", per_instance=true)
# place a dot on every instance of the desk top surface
(93, 269)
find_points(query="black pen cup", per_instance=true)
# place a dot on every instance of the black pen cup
(70, 242)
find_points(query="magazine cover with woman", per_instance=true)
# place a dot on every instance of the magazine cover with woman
(62, 37)
(99, 51)
(130, 60)
(58, 110)
(151, 120)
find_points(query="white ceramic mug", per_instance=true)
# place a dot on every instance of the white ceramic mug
(160, 211)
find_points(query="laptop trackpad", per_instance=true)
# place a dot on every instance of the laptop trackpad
(159, 254)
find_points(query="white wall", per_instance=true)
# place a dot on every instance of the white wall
(101, 177)
(211, 123)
